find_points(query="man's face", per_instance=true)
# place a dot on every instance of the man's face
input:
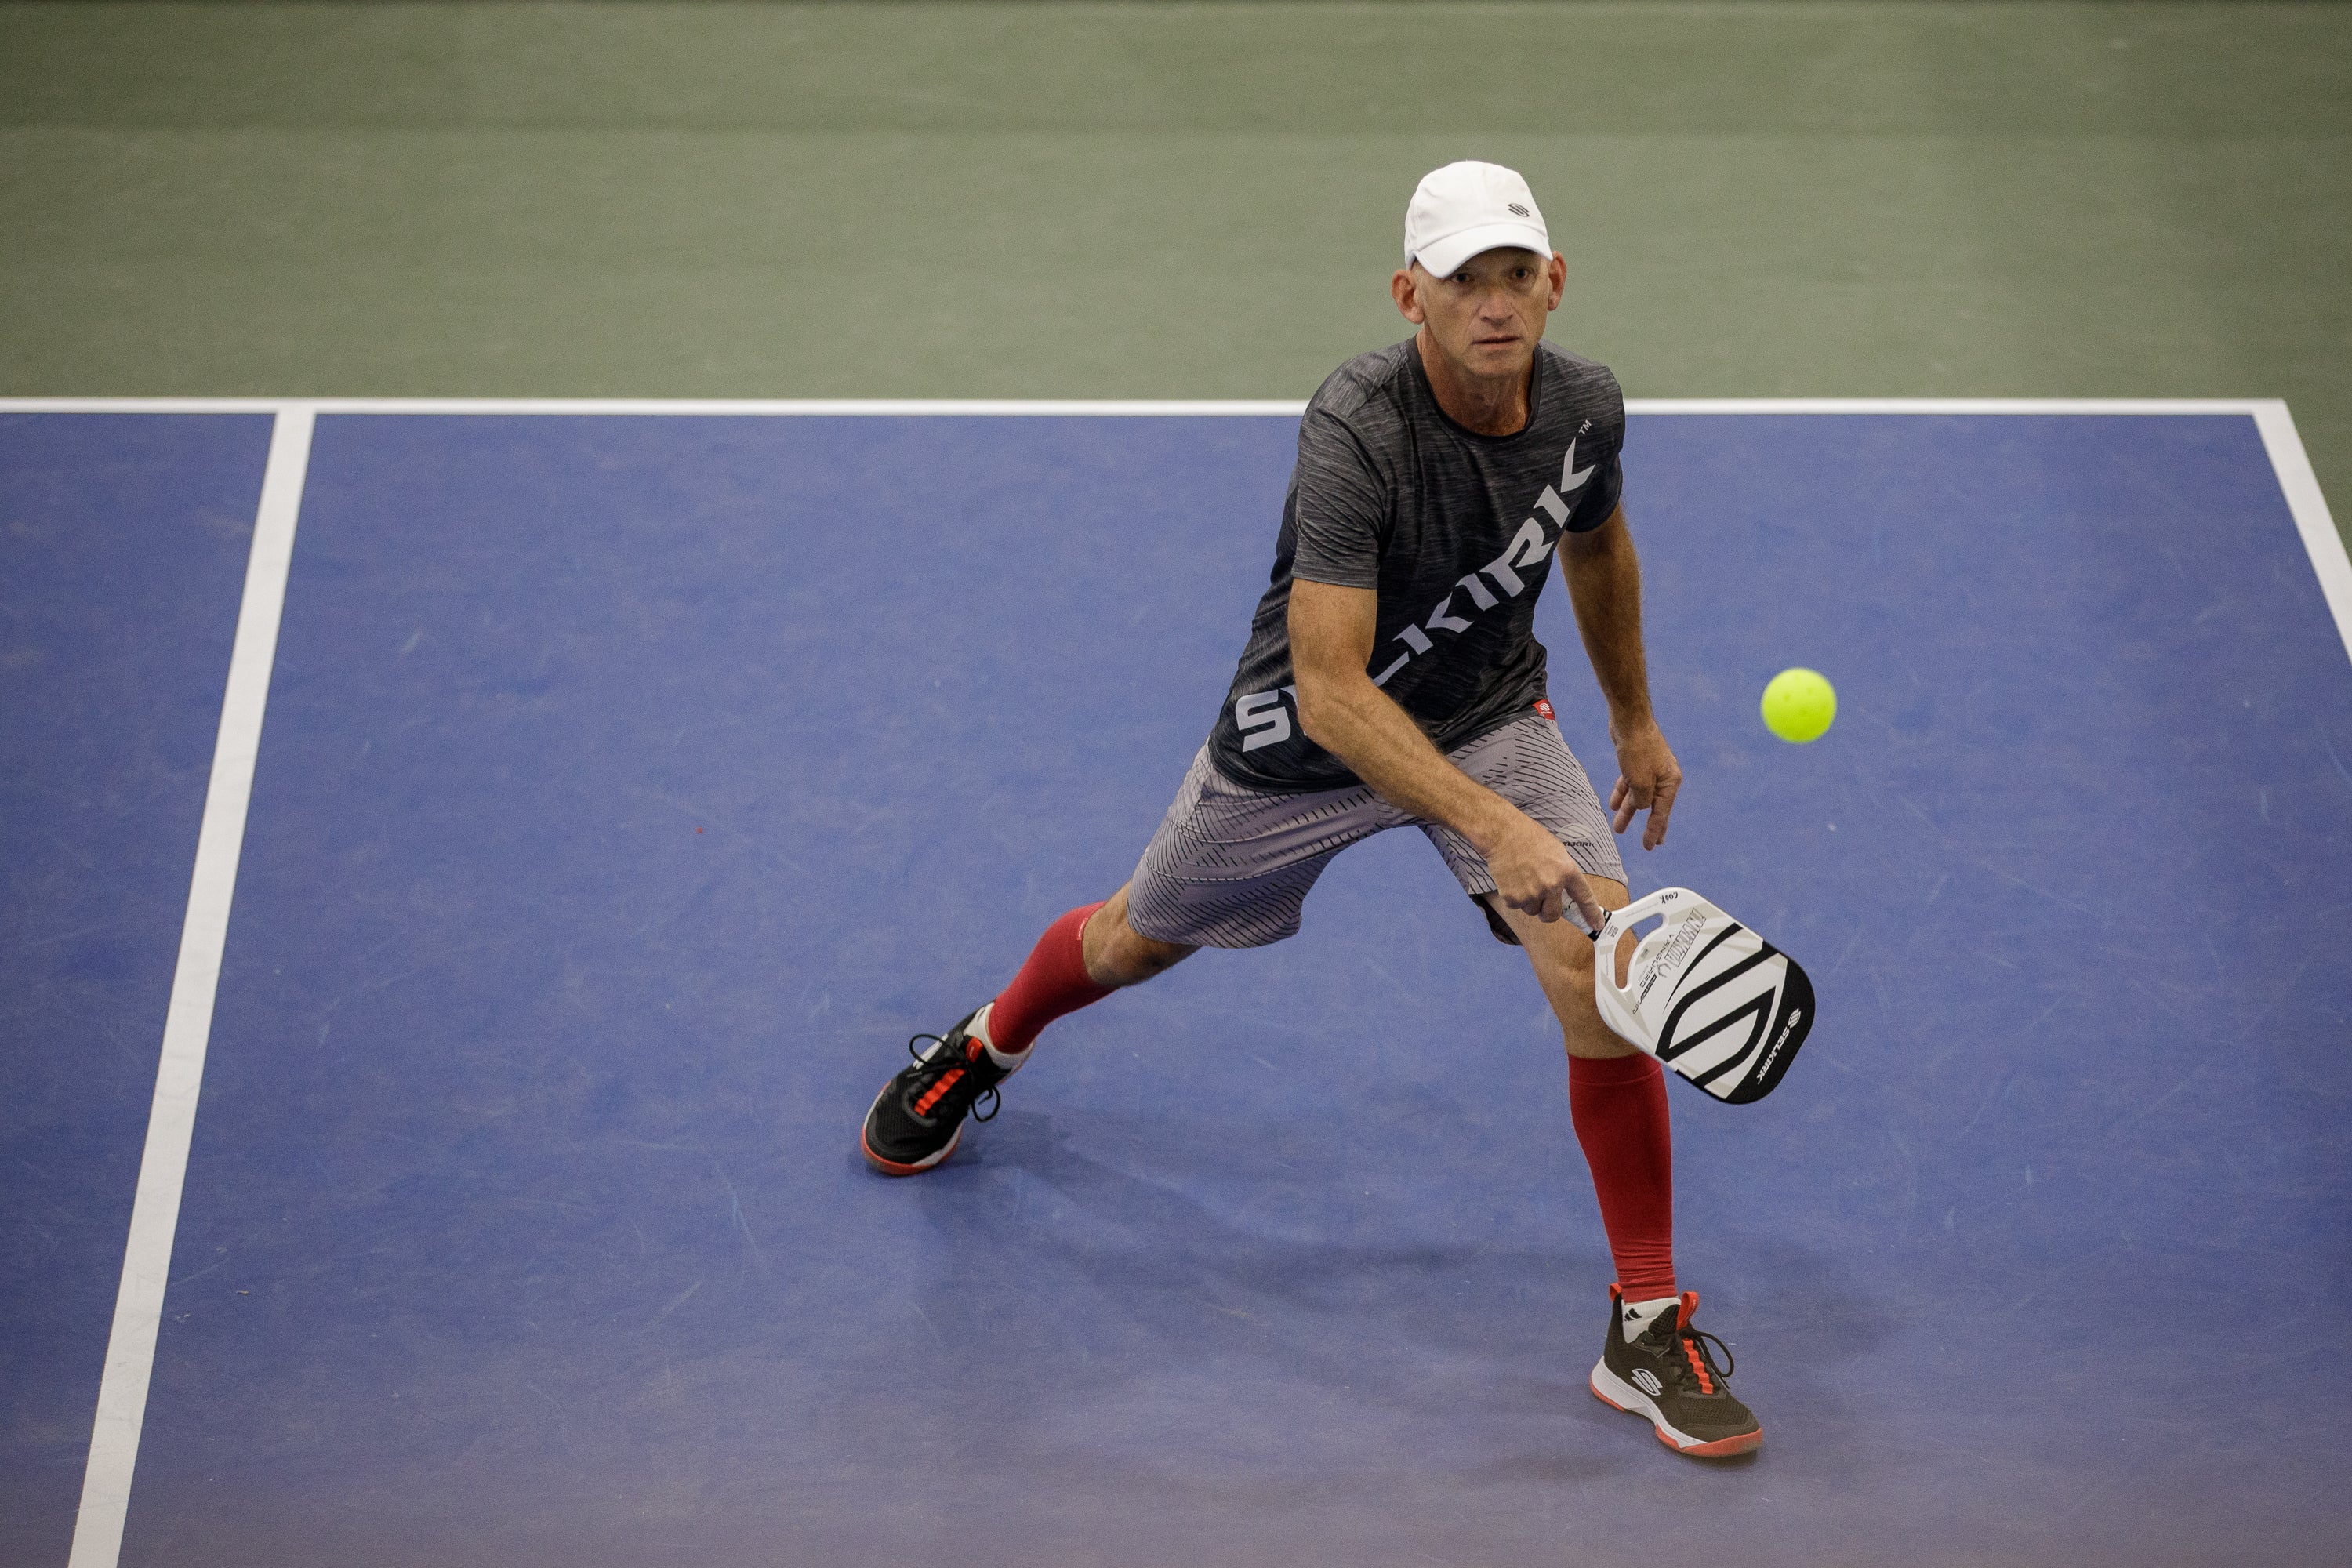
(1488, 314)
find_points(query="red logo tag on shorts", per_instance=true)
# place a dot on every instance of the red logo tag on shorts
(1543, 706)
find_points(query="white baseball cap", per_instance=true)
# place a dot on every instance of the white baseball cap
(1467, 207)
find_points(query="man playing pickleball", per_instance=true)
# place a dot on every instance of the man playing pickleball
(1392, 678)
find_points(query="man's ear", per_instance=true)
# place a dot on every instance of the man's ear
(1559, 271)
(1403, 290)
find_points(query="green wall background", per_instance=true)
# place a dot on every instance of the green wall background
(1167, 200)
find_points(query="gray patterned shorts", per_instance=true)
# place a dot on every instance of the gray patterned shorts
(1231, 866)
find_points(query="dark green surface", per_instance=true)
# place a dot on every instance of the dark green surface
(1165, 200)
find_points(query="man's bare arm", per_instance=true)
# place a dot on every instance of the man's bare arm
(1605, 584)
(1331, 631)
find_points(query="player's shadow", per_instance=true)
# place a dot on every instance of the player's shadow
(1151, 1303)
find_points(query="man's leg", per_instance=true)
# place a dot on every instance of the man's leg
(1616, 1096)
(1230, 866)
(1083, 957)
(1090, 952)
(1617, 1099)
(1118, 955)
(1653, 1364)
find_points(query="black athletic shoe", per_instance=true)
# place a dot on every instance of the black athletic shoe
(1670, 1376)
(918, 1118)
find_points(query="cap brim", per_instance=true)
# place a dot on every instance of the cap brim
(1442, 256)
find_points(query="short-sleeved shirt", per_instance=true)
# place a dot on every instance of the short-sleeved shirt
(1454, 531)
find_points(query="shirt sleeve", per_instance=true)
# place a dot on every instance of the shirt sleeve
(1341, 507)
(1607, 487)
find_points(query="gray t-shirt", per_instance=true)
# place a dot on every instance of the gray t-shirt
(1455, 529)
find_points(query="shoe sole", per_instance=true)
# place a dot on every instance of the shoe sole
(897, 1168)
(1619, 1394)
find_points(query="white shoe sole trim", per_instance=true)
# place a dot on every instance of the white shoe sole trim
(1625, 1396)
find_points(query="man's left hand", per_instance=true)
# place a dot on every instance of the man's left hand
(1648, 778)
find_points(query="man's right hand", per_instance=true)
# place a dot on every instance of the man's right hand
(1534, 873)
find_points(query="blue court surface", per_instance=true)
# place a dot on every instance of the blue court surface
(632, 786)
(122, 545)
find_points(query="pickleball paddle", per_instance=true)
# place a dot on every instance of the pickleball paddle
(1707, 996)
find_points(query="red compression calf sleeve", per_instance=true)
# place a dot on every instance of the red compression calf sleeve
(1054, 981)
(1619, 1106)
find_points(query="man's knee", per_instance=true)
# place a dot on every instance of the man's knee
(1569, 989)
(1116, 955)
(1134, 958)
(1563, 957)
(1579, 968)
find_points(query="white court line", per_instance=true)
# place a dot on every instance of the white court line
(1065, 407)
(2320, 539)
(1965, 405)
(697, 408)
(188, 1021)
(130, 1347)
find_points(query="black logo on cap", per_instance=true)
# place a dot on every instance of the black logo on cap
(1518, 209)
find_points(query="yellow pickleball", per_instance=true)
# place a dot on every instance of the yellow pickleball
(1799, 705)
